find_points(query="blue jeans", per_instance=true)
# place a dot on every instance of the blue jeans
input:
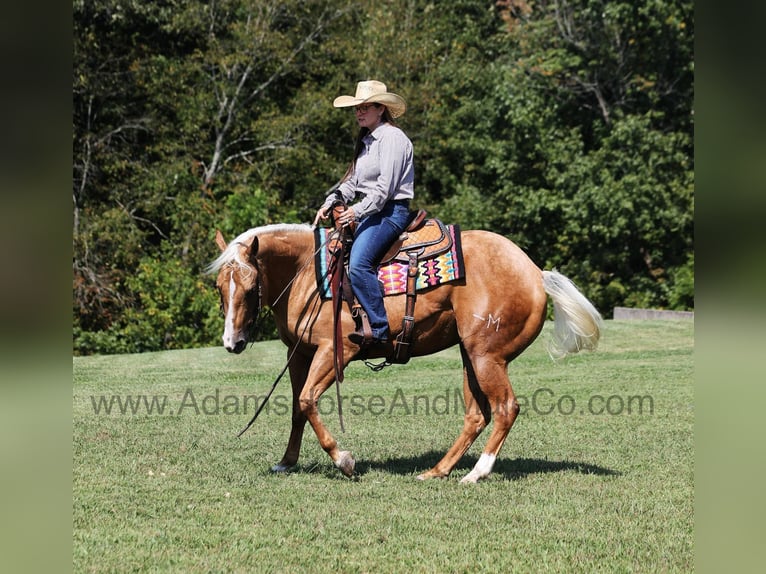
(374, 235)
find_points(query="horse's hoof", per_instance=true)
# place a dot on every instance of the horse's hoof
(433, 473)
(345, 462)
(470, 478)
(280, 467)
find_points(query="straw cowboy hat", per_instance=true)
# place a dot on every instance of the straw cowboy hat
(373, 92)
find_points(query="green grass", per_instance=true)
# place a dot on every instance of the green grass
(570, 491)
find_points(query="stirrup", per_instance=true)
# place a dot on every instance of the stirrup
(363, 334)
(366, 341)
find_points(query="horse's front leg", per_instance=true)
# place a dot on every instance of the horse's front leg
(321, 376)
(299, 369)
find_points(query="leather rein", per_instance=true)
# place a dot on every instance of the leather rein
(258, 315)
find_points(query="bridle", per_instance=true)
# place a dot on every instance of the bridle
(237, 266)
(259, 306)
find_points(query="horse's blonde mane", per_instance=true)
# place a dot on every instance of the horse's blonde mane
(232, 252)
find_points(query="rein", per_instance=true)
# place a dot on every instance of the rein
(273, 386)
(298, 339)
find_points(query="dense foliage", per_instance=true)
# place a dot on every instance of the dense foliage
(565, 125)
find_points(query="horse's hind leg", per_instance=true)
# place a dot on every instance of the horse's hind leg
(299, 368)
(496, 386)
(487, 392)
(477, 416)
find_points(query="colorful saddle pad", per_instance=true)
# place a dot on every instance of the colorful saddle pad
(433, 271)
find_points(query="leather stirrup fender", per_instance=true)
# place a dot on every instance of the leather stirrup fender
(404, 340)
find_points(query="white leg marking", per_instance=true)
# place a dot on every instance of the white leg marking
(345, 462)
(481, 469)
(228, 328)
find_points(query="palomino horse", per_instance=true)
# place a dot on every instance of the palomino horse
(494, 313)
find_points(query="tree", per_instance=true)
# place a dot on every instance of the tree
(577, 154)
(172, 108)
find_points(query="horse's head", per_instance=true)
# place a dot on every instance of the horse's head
(239, 286)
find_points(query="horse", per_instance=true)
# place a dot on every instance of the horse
(494, 313)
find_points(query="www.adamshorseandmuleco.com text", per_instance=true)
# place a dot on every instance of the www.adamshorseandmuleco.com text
(542, 401)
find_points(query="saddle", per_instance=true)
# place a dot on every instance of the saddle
(422, 238)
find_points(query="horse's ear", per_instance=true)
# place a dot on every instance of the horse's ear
(253, 249)
(219, 240)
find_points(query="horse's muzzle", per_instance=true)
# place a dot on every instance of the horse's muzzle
(238, 347)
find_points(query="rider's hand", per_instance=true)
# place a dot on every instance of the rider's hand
(346, 217)
(322, 215)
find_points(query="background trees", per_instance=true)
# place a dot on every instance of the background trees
(564, 125)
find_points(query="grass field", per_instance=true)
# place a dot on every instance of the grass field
(596, 475)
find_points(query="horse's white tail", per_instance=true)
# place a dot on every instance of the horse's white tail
(576, 322)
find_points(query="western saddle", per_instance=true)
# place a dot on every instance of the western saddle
(423, 238)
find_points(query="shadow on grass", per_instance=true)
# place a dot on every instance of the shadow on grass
(510, 469)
